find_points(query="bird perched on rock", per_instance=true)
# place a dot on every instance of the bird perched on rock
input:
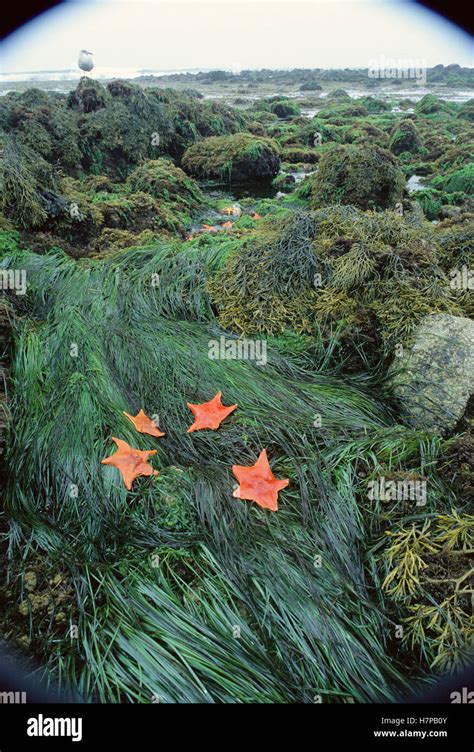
(85, 61)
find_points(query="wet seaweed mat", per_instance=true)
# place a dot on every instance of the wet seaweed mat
(183, 593)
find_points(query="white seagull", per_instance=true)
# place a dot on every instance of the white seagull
(85, 61)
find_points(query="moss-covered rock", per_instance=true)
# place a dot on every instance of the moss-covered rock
(466, 111)
(121, 88)
(88, 96)
(340, 113)
(370, 276)
(298, 155)
(284, 182)
(365, 133)
(43, 123)
(136, 212)
(111, 240)
(256, 128)
(366, 177)
(78, 219)
(317, 129)
(405, 137)
(372, 105)
(428, 105)
(311, 86)
(192, 120)
(123, 124)
(113, 140)
(285, 108)
(338, 94)
(237, 158)
(169, 184)
(27, 185)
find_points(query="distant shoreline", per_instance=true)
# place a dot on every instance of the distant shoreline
(452, 83)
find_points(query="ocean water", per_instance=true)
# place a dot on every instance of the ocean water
(101, 73)
(73, 74)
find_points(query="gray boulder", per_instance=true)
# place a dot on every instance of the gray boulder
(434, 380)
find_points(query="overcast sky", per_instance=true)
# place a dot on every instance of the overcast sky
(132, 34)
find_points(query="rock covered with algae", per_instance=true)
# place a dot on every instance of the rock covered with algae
(405, 137)
(367, 177)
(435, 379)
(235, 158)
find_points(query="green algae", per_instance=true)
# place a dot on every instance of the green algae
(330, 288)
(234, 158)
(365, 177)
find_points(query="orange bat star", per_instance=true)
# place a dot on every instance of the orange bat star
(143, 424)
(131, 462)
(257, 483)
(208, 228)
(227, 224)
(209, 414)
(256, 216)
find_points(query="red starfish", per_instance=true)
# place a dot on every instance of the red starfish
(257, 483)
(143, 424)
(131, 462)
(209, 414)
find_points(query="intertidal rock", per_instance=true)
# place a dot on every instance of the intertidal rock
(237, 158)
(367, 177)
(435, 379)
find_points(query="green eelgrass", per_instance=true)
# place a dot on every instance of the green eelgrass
(98, 338)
